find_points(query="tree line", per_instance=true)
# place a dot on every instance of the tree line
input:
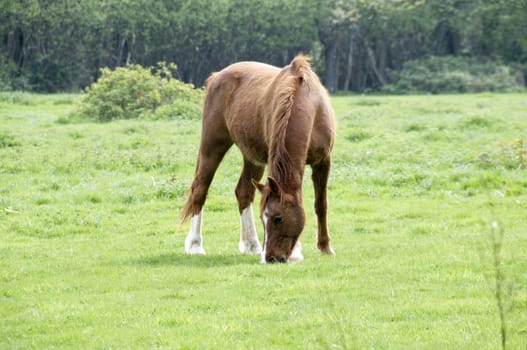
(60, 45)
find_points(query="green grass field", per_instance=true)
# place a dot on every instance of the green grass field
(90, 254)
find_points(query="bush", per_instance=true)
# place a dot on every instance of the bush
(138, 92)
(510, 155)
(181, 109)
(452, 74)
(8, 140)
(10, 78)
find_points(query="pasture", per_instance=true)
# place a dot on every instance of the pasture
(91, 255)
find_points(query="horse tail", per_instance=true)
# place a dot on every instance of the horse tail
(210, 79)
(185, 214)
(187, 209)
(301, 67)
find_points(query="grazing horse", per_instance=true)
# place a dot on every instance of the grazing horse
(281, 118)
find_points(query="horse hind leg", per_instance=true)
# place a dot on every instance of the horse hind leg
(249, 243)
(194, 239)
(320, 180)
(209, 159)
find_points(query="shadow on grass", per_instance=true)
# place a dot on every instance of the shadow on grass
(200, 261)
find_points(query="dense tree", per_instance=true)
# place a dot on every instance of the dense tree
(51, 45)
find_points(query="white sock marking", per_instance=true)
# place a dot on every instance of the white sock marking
(249, 243)
(296, 255)
(265, 219)
(194, 240)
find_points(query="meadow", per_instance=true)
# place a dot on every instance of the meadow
(91, 255)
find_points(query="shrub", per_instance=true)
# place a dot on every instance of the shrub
(452, 74)
(8, 140)
(6, 72)
(510, 155)
(138, 92)
(181, 109)
(10, 77)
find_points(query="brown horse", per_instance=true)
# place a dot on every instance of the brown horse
(277, 117)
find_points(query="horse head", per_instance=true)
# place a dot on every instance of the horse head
(283, 219)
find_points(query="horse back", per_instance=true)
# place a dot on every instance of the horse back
(234, 104)
(247, 99)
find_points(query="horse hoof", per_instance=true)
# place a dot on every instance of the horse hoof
(250, 247)
(297, 255)
(327, 251)
(194, 249)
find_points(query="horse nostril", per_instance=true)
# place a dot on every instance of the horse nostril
(271, 259)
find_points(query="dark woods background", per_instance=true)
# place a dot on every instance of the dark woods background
(358, 45)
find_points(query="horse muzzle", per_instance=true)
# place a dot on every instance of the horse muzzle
(275, 259)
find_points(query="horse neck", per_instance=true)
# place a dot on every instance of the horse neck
(295, 150)
(290, 126)
(292, 184)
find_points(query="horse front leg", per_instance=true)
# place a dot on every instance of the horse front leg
(208, 161)
(249, 243)
(320, 181)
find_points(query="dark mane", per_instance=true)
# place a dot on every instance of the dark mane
(287, 84)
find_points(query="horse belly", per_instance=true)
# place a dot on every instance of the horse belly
(248, 136)
(244, 121)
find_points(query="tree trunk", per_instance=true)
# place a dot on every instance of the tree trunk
(379, 75)
(130, 48)
(331, 67)
(15, 47)
(349, 65)
(119, 59)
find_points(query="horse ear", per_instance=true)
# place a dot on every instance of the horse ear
(274, 186)
(257, 185)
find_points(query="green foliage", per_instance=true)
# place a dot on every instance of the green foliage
(17, 97)
(511, 155)
(182, 109)
(6, 74)
(136, 92)
(10, 79)
(61, 45)
(451, 74)
(7, 140)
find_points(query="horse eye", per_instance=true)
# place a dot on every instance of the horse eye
(277, 220)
